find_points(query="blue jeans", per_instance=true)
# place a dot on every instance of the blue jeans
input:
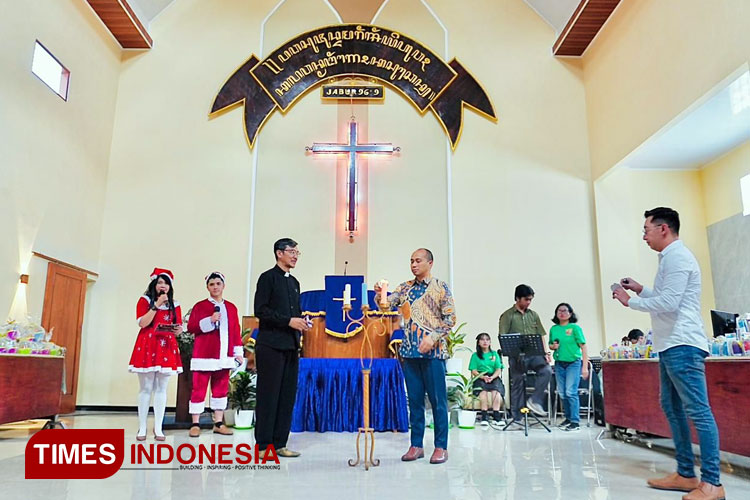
(427, 375)
(682, 372)
(568, 379)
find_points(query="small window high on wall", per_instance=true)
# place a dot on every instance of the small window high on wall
(745, 189)
(49, 70)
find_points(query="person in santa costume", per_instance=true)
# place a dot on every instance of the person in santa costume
(217, 348)
(156, 355)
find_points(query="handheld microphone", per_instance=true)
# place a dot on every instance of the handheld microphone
(346, 263)
(217, 324)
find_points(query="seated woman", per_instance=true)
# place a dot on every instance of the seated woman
(487, 363)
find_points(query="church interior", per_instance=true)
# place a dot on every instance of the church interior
(168, 134)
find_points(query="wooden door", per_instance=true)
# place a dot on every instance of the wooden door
(64, 298)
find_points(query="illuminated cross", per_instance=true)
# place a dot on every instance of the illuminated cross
(352, 149)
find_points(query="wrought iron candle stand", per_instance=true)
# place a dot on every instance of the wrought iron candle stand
(365, 359)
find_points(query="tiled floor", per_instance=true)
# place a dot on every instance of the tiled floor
(484, 464)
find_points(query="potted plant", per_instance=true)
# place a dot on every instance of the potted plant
(461, 397)
(454, 343)
(242, 399)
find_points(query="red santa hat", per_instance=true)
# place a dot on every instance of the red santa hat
(162, 272)
(218, 273)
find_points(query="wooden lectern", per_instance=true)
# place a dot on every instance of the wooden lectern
(318, 344)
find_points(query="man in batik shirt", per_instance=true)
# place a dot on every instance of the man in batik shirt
(423, 350)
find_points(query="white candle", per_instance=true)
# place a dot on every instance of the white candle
(347, 295)
(384, 292)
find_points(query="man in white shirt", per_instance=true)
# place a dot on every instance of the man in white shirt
(675, 308)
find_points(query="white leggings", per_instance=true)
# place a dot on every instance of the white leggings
(156, 383)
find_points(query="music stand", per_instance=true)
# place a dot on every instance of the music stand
(517, 345)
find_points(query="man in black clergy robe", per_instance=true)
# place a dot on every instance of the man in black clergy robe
(277, 306)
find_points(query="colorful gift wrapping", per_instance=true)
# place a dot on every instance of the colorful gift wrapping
(27, 339)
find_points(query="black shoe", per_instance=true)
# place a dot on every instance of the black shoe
(564, 424)
(572, 427)
(483, 420)
(497, 416)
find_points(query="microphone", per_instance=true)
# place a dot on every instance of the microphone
(346, 263)
(153, 301)
(217, 324)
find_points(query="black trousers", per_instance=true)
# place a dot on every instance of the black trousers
(518, 371)
(276, 392)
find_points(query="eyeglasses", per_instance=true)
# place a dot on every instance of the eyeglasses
(293, 252)
(647, 229)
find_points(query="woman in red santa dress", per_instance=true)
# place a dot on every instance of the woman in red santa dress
(218, 348)
(156, 355)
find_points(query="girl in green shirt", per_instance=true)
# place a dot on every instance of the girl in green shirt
(487, 363)
(571, 362)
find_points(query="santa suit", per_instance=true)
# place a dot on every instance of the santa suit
(214, 351)
(155, 350)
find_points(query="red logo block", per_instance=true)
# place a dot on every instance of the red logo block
(75, 453)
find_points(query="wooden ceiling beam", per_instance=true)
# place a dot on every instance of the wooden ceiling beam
(583, 26)
(125, 26)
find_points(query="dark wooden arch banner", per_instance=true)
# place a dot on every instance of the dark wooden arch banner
(414, 70)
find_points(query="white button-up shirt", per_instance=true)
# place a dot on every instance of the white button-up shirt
(675, 301)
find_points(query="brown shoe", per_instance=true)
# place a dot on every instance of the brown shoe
(287, 453)
(706, 491)
(674, 482)
(223, 429)
(439, 456)
(412, 454)
(195, 431)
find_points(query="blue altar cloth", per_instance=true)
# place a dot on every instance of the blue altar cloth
(329, 396)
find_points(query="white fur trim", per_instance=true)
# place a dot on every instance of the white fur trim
(207, 325)
(211, 364)
(223, 280)
(218, 403)
(238, 350)
(159, 369)
(196, 408)
(223, 326)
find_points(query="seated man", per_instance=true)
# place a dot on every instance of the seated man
(487, 364)
(520, 319)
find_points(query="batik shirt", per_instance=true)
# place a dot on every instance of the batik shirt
(432, 311)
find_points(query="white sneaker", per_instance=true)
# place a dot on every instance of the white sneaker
(536, 408)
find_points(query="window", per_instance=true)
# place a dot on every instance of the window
(49, 70)
(745, 189)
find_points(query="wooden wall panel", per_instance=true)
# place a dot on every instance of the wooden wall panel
(123, 23)
(583, 27)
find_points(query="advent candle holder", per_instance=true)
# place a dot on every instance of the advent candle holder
(365, 359)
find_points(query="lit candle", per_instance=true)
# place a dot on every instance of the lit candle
(365, 301)
(347, 295)
(384, 293)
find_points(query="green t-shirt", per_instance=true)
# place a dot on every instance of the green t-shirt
(488, 365)
(570, 337)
